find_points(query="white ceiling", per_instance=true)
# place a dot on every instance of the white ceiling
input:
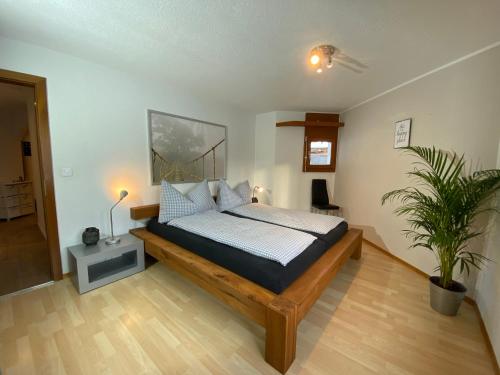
(252, 53)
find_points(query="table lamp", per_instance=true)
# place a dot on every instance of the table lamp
(260, 190)
(114, 240)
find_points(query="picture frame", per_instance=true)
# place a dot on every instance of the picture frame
(402, 133)
(185, 150)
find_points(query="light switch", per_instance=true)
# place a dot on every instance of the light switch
(66, 171)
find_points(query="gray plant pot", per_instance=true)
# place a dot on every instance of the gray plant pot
(446, 301)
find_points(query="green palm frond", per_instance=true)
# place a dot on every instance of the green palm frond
(442, 206)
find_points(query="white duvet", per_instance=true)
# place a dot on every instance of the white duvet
(262, 239)
(295, 219)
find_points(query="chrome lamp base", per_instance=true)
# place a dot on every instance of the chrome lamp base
(112, 240)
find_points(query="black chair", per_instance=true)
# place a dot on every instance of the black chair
(319, 197)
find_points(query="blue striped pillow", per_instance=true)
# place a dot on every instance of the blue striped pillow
(173, 204)
(200, 195)
(244, 191)
(227, 198)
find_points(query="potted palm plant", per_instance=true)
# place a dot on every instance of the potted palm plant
(441, 208)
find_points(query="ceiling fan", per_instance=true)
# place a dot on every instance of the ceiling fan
(325, 56)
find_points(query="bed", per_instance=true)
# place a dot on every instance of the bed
(279, 313)
(264, 272)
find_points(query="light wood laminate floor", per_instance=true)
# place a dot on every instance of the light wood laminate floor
(373, 318)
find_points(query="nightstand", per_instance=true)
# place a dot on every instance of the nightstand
(100, 264)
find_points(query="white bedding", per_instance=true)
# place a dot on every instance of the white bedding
(295, 219)
(262, 239)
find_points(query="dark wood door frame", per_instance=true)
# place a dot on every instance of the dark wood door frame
(45, 157)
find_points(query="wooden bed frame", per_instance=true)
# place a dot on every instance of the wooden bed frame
(279, 314)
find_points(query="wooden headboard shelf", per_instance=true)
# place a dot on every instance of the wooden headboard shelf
(144, 212)
(148, 211)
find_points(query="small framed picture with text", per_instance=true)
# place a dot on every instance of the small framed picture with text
(402, 130)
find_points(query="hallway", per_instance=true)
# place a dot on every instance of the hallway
(24, 257)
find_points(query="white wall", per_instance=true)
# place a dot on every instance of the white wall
(265, 139)
(455, 109)
(488, 283)
(278, 162)
(98, 127)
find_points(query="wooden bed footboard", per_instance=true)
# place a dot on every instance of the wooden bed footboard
(279, 314)
(285, 312)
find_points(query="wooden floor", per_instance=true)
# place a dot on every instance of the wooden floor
(374, 318)
(24, 256)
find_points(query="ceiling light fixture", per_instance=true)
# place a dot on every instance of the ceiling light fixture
(329, 64)
(315, 59)
(322, 57)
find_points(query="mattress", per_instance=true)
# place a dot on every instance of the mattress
(295, 219)
(264, 272)
(273, 242)
(330, 238)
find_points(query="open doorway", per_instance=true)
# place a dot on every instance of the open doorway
(29, 245)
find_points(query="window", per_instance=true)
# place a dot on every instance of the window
(320, 153)
(320, 146)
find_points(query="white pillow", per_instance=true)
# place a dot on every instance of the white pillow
(173, 204)
(200, 195)
(244, 190)
(227, 198)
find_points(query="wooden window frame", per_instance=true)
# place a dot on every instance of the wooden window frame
(320, 134)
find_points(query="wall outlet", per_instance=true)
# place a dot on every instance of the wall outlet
(66, 171)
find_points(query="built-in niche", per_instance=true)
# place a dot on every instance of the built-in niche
(320, 141)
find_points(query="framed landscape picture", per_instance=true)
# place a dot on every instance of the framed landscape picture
(402, 130)
(185, 150)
